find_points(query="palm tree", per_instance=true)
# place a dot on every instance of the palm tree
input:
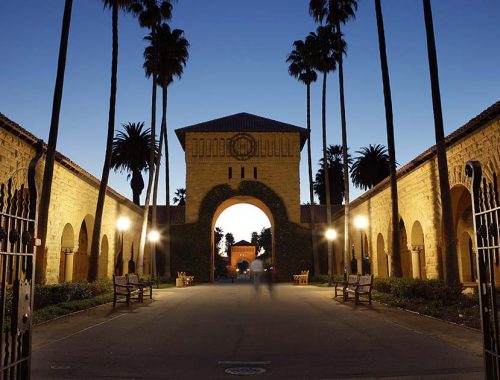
(337, 12)
(335, 174)
(150, 14)
(43, 212)
(396, 270)
(131, 153)
(370, 167)
(115, 5)
(180, 197)
(172, 54)
(301, 67)
(325, 60)
(452, 276)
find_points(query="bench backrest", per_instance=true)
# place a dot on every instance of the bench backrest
(133, 280)
(119, 280)
(365, 283)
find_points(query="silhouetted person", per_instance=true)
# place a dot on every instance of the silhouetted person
(257, 269)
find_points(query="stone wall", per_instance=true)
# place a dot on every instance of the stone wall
(72, 209)
(419, 205)
(276, 164)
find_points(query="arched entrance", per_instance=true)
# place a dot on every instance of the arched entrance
(418, 251)
(292, 244)
(382, 257)
(67, 252)
(241, 217)
(464, 229)
(81, 257)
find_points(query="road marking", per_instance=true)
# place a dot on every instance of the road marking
(222, 362)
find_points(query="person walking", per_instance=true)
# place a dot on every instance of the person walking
(257, 269)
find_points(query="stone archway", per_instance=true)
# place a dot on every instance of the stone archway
(81, 257)
(382, 258)
(418, 259)
(67, 252)
(291, 245)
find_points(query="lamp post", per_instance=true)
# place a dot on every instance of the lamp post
(122, 224)
(361, 222)
(330, 235)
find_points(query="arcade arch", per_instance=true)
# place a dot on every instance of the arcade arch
(103, 258)
(233, 202)
(418, 251)
(382, 257)
(67, 251)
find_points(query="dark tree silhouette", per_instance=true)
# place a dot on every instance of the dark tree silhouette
(301, 66)
(130, 153)
(396, 269)
(325, 60)
(229, 242)
(452, 275)
(370, 167)
(150, 13)
(336, 176)
(337, 12)
(43, 211)
(265, 243)
(172, 54)
(180, 196)
(115, 5)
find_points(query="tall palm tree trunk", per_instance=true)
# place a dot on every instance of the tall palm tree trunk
(314, 242)
(327, 182)
(142, 244)
(344, 153)
(96, 234)
(396, 270)
(167, 267)
(154, 264)
(43, 212)
(452, 276)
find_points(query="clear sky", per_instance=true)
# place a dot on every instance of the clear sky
(237, 63)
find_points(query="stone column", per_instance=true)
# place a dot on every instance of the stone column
(68, 268)
(415, 262)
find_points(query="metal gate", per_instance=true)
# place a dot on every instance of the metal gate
(17, 259)
(486, 212)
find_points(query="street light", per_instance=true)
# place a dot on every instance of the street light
(154, 236)
(361, 222)
(331, 234)
(122, 224)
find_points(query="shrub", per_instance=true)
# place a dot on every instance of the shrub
(46, 295)
(432, 290)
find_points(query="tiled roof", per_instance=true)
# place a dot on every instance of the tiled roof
(473, 125)
(242, 122)
(243, 243)
(29, 138)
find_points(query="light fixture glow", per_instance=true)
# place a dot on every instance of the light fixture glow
(154, 236)
(123, 223)
(360, 222)
(331, 234)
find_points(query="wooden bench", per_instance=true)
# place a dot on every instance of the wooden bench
(183, 279)
(140, 285)
(302, 278)
(341, 286)
(363, 287)
(121, 287)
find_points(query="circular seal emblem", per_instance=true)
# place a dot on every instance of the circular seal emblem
(242, 146)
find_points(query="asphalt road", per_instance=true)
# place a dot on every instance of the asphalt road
(298, 332)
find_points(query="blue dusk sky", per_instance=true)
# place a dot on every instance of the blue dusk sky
(237, 64)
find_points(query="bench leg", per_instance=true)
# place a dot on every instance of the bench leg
(114, 300)
(356, 298)
(128, 299)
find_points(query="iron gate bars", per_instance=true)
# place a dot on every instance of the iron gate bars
(486, 212)
(17, 259)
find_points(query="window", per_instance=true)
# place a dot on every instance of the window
(229, 173)
(255, 173)
(242, 172)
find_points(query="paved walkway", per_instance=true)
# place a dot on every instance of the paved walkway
(298, 332)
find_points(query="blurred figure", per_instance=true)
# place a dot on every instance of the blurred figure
(257, 269)
(269, 277)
